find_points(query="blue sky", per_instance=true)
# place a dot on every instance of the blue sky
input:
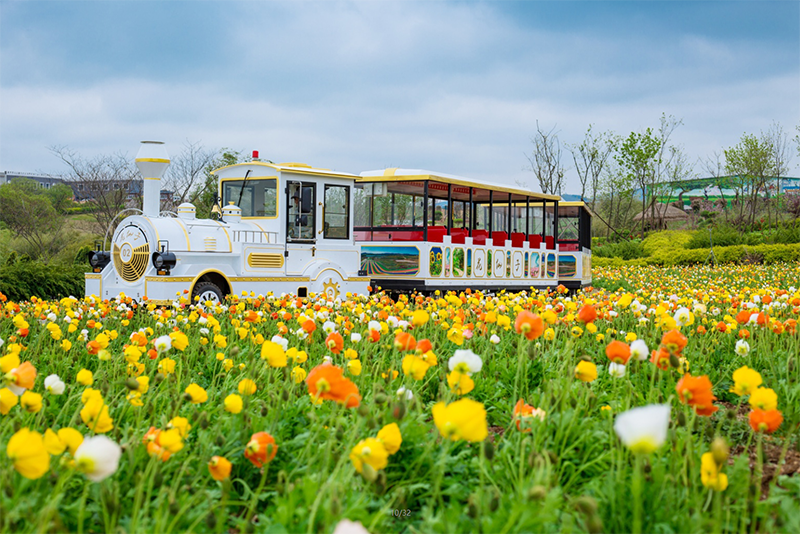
(455, 87)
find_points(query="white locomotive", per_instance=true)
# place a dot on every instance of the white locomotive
(291, 228)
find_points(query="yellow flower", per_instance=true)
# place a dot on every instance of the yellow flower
(591, 328)
(66, 344)
(71, 438)
(220, 341)
(7, 401)
(586, 371)
(415, 366)
(369, 451)
(549, 334)
(233, 403)
(144, 384)
(354, 366)
(181, 424)
(53, 443)
(27, 452)
(85, 377)
(31, 402)
(170, 440)
(197, 395)
(710, 475)
(298, 374)
(166, 366)
(764, 399)
(460, 383)
(390, 437)
(456, 336)
(132, 353)
(10, 361)
(179, 340)
(576, 331)
(462, 419)
(745, 381)
(274, 354)
(95, 414)
(247, 387)
(351, 354)
(227, 364)
(420, 317)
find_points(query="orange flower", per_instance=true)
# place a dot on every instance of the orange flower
(374, 336)
(219, 467)
(529, 324)
(309, 326)
(674, 341)
(23, 376)
(765, 421)
(721, 327)
(261, 449)
(587, 314)
(424, 345)
(524, 412)
(696, 391)
(93, 347)
(138, 338)
(334, 342)
(618, 352)
(404, 341)
(743, 317)
(326, 382)
(660, 357)
(744, 333)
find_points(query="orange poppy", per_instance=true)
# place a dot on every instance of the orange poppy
(93, 347)
(618, 352)
(721, 327)
(587, 314)
(404, 341)
(23, 376)
(326, 381)
(660, 357)
(309, 326)
(334, 342)
(261, 449)
(695, 391)
(424, 345)
(374, 336)
(219, 467)
(765, 421)
(529, 324)
(743, 317)
(674, 341)
(744, 333)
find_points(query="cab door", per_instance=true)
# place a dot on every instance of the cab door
(301, 225)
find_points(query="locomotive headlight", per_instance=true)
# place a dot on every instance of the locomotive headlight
(98, 260)
(164, 261)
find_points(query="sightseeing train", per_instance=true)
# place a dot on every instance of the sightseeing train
(291, 228)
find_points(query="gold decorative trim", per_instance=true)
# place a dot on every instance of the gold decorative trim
(265, 260)
(93, 276)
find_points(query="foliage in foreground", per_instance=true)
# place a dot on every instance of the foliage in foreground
(183, 384)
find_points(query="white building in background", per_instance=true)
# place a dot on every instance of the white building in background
(45, 181)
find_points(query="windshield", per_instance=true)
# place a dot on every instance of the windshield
(259, 198)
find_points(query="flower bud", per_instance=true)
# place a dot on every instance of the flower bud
(720, 450)
(369, 473)
(586, 505)
(132, 384)
(380, 398)
(488, 450)
(674, 361)
(234, 352)
(399, 410)
(537, 493)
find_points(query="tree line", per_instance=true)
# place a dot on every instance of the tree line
(623, 176)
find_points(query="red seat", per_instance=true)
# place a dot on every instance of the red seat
(535, 240)
(499, 239)
(407, 236)
(568, 247)
(436, 233)
(550, 242)
(458, 235)
(479, 237)
(517, 239)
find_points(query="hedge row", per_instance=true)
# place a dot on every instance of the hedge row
(22, 280)
(733, 254)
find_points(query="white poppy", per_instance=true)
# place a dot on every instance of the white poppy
(355, 337)
(54, 385)
(616, 370)
(742, 347)
(404, 393)
(163, 343)
(465, 361)
(97, 458)
(644, 429)
(495, 339)
(284, 343)
(639, 350)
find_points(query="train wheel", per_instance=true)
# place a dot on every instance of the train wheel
(207, 291)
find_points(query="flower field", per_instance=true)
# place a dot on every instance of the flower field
(661, 400)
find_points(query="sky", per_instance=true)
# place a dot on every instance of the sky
(450, 86)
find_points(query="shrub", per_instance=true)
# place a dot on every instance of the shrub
(627, 250)
(667, 240)
(22, 279)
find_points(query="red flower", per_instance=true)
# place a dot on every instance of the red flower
(587, 314)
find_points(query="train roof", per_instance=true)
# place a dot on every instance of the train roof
(297, 168)
(407, 175)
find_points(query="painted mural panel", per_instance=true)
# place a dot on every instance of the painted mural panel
(535, 265)
(543, 269)
(390, 261)
(499, 261)
(489, 263)
(567, 266)
(525, 267)
(458, 262)
(508, 264)
(469, 262)
(480, 263)
(447, 261)
(552, 265)
(436, 261)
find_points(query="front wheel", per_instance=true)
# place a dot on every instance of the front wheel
(207, 291)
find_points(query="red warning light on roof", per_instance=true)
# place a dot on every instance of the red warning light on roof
(255, 154)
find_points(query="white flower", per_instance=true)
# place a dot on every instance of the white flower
(329, 327)
(163, 343)
(404, 393)
(16, 390)
(392, 321)
(682, 316)
(204, 331)
(742, 347)
(355, 337)
(327, 359)
(465, 361)
(1, 341)
(284, 343)
(54, 385)
(345, 526)
(495, 339)
(639, 350)
(715, 311)
(374, 325)
(643, 429)
(84, 334)
(616, 370)
(97, 458)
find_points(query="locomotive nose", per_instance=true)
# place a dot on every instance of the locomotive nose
(152, 161)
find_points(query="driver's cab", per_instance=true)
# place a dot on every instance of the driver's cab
(307, 210)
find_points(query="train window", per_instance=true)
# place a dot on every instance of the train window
(336, 212)
(362, 204)
(568, 223)
(301, 222)
(258, 197)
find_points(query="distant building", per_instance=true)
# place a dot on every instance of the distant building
(45, 181)
(712, 189)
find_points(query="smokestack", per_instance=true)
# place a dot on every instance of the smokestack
(152, 160)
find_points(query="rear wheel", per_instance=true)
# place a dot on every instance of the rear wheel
(207, 291)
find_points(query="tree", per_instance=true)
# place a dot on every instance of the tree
(752, 160)
(590, 157)
(545, 161)
(108, 183)
(639, 157)
(186, 173)
(29, 214)
(203, 196)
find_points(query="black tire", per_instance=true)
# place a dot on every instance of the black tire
(208, 288)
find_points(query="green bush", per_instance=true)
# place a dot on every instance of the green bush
(667, 240)
(627, 250)
(21, 280)
(787, 235)
(766, 253)
(723, 236)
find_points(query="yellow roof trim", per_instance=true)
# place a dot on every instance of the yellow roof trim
(289, 168)
(572, 203)
(456, 181)
(261, 163)
(390, 172)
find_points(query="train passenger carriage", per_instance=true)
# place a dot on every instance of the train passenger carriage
(292, 228)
